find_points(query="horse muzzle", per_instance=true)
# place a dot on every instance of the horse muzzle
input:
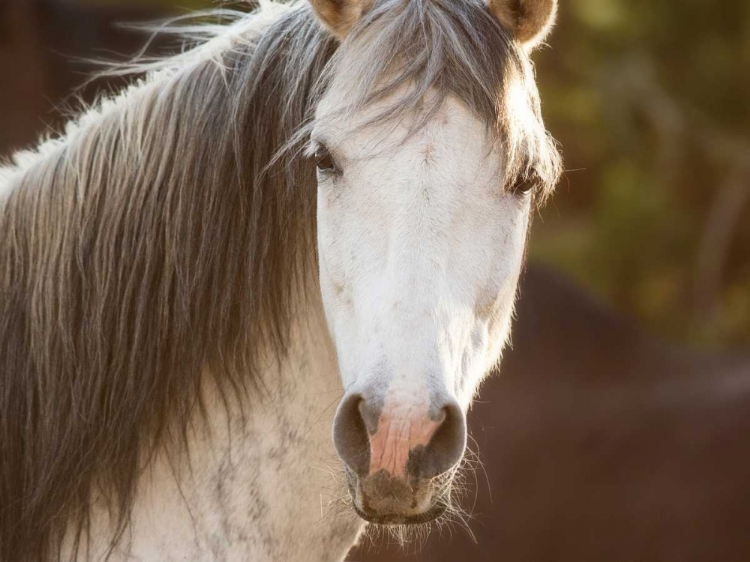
(399, 456)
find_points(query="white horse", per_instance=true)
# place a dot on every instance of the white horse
(184, 299)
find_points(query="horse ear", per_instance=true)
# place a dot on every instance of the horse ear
(338, 16)
(529, 20)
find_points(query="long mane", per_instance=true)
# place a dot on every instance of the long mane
(166, 235)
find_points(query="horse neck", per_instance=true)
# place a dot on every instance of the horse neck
(259, 481)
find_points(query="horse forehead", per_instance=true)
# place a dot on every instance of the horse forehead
(452, 127)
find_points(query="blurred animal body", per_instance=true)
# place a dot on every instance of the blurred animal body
(602, 443)
(283, 216)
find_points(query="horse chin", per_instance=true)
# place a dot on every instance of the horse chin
(399, 519)
(383, 499)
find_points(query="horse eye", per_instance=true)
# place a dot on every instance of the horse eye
(324, 161)
(524, 184)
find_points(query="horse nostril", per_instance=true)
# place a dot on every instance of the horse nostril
(370, 437)
(350, 435)
(446, 448)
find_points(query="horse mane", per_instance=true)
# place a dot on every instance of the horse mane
(167, 234)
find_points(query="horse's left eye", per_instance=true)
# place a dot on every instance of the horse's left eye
(324, 161)
(524, 184)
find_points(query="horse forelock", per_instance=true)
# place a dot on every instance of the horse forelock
(167, 235)
(418, 52)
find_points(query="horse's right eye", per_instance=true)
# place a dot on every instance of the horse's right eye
(324, 161)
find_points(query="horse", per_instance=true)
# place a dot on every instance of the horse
(246, 302)
(600, 441)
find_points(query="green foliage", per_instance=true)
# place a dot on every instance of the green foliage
(650, 102)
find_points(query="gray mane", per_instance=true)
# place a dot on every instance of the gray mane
(165, 236)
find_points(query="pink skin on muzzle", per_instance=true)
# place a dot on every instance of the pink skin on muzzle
(400, 429)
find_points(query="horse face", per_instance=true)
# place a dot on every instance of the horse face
(420, 245)
(420, 249)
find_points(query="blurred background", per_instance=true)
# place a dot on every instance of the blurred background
(649, 100)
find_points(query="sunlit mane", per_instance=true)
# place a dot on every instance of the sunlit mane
(167, 233)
